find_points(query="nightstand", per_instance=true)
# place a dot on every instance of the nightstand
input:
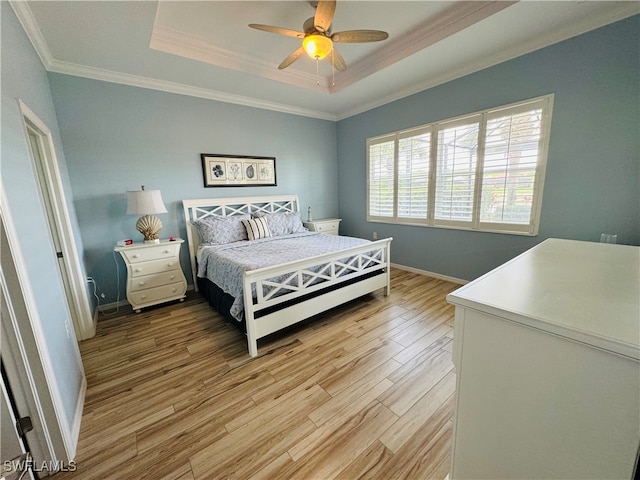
(324, 225)
(154, 274)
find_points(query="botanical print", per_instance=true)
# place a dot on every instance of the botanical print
(237, 170)
(218, 170)
(265, 172)
(234, 171)
(250, 171)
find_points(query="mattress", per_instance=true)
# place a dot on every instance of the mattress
(224, 265)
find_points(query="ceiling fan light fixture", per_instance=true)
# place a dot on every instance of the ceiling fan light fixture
(317, 46)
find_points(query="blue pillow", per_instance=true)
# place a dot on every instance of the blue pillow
(282, 223)
(220, 230)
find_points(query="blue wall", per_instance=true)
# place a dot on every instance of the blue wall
(24, 77)
(118, 137)
(592, 182)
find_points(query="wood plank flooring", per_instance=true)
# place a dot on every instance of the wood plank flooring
(363, 391)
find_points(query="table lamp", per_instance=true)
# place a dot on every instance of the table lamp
(146, 203)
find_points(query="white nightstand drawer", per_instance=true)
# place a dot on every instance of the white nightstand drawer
(327, 227)
(151, 281)
(150, 268)
(154, 295)
(163, 250)
(324, 225)
(154, 274)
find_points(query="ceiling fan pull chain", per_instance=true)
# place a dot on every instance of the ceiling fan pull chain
(317, 71)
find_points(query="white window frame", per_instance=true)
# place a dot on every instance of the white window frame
(544, 102)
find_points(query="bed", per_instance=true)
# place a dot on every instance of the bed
(265, 294)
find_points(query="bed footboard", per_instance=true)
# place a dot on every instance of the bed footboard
(319, 283)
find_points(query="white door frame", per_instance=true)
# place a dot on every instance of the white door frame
(12, 444)
(71, 270)
(26, 356)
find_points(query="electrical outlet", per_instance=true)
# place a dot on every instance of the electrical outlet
(375, 235)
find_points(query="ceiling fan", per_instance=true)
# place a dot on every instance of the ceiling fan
(317, 39)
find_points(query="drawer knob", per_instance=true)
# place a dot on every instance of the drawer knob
(172, 277)
(142, 297)
(138, 269)
(136, 256)
(169, 264)
(167, 251)
(174, 290)
(140, 283)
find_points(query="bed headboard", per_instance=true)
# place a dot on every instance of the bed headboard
(198, 208)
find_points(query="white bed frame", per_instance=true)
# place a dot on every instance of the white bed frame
(362, 260)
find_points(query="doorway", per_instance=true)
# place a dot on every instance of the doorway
(59, 226)
(27, 382)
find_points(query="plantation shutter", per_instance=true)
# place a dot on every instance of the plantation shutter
(456, 163)
(413, 173)
(482, 171)
(381, 177)
(513, 155)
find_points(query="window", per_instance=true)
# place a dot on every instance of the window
(483, 171)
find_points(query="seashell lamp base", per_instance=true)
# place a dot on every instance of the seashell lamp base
(149, 226)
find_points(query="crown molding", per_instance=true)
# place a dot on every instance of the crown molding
(396, 51)
(104, 75)
(451, 21)
(169, 40)
(31, 28)
(612, 15)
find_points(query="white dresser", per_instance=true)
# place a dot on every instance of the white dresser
(154, 274)
(547, 355)
(324, 225)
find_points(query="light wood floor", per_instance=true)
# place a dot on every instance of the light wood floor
(363, 391)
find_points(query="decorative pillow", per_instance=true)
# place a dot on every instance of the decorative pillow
(221, 230)
(282, 223)
(257, 228)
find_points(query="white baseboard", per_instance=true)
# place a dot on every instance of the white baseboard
(77, 417)
(439, 276)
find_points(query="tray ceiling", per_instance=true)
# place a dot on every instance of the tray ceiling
(206, 49)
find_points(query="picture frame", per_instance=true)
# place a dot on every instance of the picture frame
(219, 170)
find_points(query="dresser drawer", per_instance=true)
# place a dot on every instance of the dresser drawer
(151, 281)
(156, 295)
(165, 250)
(150, 268)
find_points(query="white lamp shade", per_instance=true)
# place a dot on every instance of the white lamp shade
(145, 202)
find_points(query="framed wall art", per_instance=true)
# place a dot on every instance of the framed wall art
(237, 170)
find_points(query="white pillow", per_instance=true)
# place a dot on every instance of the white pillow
(257, 228)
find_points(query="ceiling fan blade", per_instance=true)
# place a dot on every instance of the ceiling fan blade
(278, 30)
(291, 58)
(338, 60)
(324, 15)
(359, 36)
